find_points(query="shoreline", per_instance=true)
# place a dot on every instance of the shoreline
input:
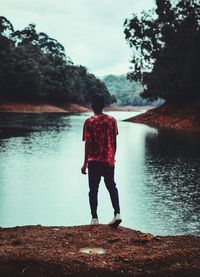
(35, 108)
(170, 116)
(39, 251)
(13, 107)
(166, 116)
(38, 108)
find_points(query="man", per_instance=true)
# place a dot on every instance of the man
(99, 134)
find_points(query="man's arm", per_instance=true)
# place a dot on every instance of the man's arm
(83, 168)
(115, 144)
(115, 135)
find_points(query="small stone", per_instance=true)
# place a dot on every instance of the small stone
(56, 229)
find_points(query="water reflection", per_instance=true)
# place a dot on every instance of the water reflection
(157, 175)
(172, 176)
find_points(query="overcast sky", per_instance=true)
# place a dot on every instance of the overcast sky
(90, 30)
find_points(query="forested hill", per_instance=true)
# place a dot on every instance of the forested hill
(35, 67)
(127, 92)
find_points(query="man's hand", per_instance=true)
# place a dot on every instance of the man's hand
(83, 169)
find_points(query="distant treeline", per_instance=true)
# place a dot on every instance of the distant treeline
(127, 92)
(34, 67)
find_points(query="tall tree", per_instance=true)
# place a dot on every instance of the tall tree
(166, 43)
(35, 67)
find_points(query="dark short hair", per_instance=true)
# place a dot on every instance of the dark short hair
(98, 102)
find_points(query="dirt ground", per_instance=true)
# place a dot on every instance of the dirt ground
(55, 251)
(40, 108)
(72, 108)
(171, 116)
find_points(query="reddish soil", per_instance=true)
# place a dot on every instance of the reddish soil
(40, 108)
(55, 251)
(72, 108)
(174, 116)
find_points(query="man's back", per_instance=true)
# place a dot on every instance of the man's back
(101, 130)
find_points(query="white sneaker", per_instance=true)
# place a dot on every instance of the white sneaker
(116, 221)
(94, 221)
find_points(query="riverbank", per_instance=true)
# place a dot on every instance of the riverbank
(37, 251)
(72, 108)
(171, 116)
(40, 108)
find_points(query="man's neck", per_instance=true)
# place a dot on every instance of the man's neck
(98, 113)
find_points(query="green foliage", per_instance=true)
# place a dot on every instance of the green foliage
(165, 44)
(127, 92)
(34, 67)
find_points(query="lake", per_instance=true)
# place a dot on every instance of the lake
(157, 174)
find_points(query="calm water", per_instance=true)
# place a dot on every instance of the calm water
(157, 173)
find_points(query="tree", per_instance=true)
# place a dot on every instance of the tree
(6, 47)
(35, 67)
(165, 45)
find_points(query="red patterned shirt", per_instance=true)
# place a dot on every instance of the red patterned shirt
(101, 130)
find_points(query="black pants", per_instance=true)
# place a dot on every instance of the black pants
(95, 171)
